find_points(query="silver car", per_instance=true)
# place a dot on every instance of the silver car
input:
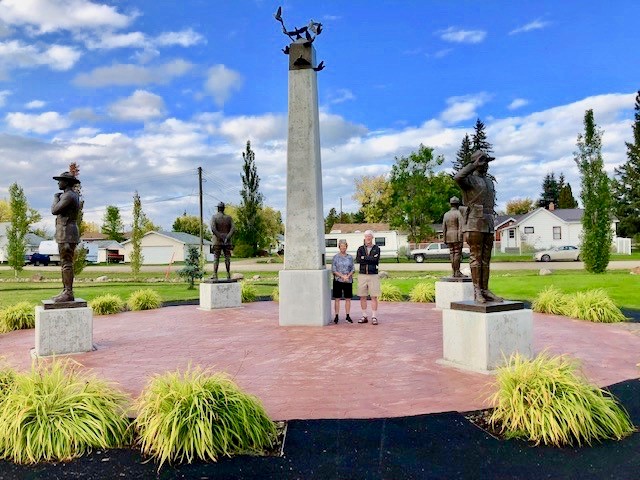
(566, 252)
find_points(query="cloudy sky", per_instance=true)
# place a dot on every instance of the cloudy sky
(142, 92)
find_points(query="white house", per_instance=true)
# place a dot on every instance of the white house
(32, 241)
(542, 229)
(389, 241)
(161, 248)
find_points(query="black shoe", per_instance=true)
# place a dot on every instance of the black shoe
(335, 320)
(348, 319)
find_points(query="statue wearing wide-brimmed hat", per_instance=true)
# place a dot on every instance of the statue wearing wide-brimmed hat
(223, 229)
(452, 232)
(65, 207)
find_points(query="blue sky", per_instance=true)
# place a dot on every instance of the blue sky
(141, 92)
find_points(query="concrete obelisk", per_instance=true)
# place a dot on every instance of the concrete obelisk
(304, 282)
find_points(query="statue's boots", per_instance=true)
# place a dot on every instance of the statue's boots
(64, 296)
(478, 297)
(227, 264)
(486, 293)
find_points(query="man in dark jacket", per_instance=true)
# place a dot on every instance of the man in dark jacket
(368, 257)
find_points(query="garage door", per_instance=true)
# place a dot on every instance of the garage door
(157, 255)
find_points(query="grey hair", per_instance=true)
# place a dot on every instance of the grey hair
(368, 232)
(342, 241)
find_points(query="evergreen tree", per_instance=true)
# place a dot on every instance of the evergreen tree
(136, 235)
(17, 231)
(250, 228)
(596, 198)
(112, 225)
(627, 184)
(191, 269)
(332, 218)
(566, 198)
(479, 139)
(550, 191)
(464, 153)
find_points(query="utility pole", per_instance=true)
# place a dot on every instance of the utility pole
(341, 210)
(201, 218)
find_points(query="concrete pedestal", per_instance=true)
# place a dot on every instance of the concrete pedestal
(62, 331)
(480, 340)
(220, 294)
(304, 298)
(453, 289)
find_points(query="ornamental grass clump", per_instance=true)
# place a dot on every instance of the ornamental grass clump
(144, 299)
(545, 400)
(424, 292)
(7, 381)
(57, 413)
(550, 300)
(594, 306)
(248, 292)
(17, 317)
(390, 293)
(199, 415)
(107, 304)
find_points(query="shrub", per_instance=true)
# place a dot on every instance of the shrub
(390, 293)
(144, 299)
(275, 294)
(7, 381)
(56, 413)
(198, 415)
(248, 292)
(107, 304)
(17, 317)
(243, 250)
(550, 300)
(544, 400)
(594, 306)
(424, 292)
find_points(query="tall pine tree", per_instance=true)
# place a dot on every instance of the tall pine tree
(627, 184)
(596, 198)
(250, 228)
(479, 139)
(18, 229)
(136, 236)
(112, 225)
(550, 191)
(463, 156)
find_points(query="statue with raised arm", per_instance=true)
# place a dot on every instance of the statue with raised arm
(66, 205)
(452, 226)
(223, 229)
(479, 198)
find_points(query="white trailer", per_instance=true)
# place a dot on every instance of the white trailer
(50, 247)
(389, 242)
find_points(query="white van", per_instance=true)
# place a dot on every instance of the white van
(388, 241)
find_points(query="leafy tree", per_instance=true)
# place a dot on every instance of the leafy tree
(373, 193)
(464, 153)
(146, 225)
(330, 220)
(250, 229)
(192, 268)
(136, 236)
(566, 198)
(79, 254)
(519, 206)
(550, 191)
(273, 226)
(420, 197)
(596, 198)
(189, 224)
(479, 138)
(627, 184)
(92, 227)
(112, 225)
(5, 211)
(17, 231)
(42, 232)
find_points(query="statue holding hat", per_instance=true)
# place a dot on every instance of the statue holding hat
(452, 230)
(223, 229)
(66, 206)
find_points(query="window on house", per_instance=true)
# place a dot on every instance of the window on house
(528, 230)
(331, 242)
(512, 233)
(380, 241)
(557, 233)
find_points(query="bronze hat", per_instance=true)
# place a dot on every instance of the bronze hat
(68, 177)
(481, 153)
(221, 205)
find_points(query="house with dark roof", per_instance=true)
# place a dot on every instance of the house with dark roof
(31, 239)
(162, 248)
(542, 229)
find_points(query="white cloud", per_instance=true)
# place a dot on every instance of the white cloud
(517, 103)
(46, 16)
(535, 25)
(15, 54)
(463, 107)
(39, 123)
(221, 82)
(111, 40)
(3, 96)
(184, 38)
(457, 35)
(140, 106)
(35, 104)
(130, 74)
(341, 95)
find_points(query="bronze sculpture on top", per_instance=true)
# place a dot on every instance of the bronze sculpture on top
(223, 229)
(66, 205)
(479, 199)
(452, 230)
(301, 57)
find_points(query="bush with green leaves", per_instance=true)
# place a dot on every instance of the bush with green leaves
(17, 317)
(424, 292)
(390, 293)
(107, 304)
(199, 415)
(546, 400)
(550, 300)
(594, 306)
(144, 299)
(275, 294)
(248, 292)
(55, 412)
(243, 250)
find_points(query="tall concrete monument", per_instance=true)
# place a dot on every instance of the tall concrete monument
(304, 282)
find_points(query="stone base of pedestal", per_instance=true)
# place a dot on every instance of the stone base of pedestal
(453, 289)
(479, 337)
(220, 294)
(304, 298)
(62, 331)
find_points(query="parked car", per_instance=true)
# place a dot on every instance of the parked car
(433, 251)
(37, 259)
(566, 252)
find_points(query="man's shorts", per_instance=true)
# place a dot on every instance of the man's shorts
(368, 285)
(342, 289)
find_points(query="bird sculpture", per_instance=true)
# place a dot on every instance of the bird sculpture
(310, 32)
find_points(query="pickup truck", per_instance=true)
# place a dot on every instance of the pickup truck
(37, 259)
(435, 251)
